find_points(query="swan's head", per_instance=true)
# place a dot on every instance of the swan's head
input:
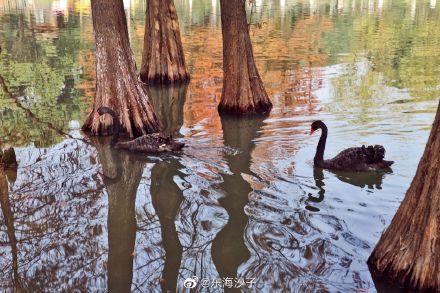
(104, 110)
(318, 124)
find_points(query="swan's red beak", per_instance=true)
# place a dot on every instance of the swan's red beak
(96, 116)
(311, 131)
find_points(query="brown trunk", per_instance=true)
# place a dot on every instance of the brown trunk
(409, 251)
(163, 59)
(118, 85)
(243, 89)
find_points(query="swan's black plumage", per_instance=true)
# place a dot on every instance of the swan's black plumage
(370, 158)
(149, 143)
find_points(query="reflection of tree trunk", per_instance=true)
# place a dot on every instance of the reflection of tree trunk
(168, 102)
(9, 223)
(229, 249)
(243, 90)
(408, 251)
(125, 177)
(166, 198)
(22, 49)
(117, 83)
(163, 58)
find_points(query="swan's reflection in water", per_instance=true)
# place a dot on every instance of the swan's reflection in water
(318, 176)
(369, 180)
(293, 249)
(172, 217)
(165, 223)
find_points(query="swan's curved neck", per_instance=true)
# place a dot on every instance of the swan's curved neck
(319, 156)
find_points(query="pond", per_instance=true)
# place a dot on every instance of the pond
(242, 202)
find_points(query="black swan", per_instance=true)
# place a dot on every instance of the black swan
(352, 159)
(149, 143)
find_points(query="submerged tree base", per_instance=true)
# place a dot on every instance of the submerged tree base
(259, 109)
(163, 59)
(164, 80)
(118, 85)
(408, 253)
(243, 90)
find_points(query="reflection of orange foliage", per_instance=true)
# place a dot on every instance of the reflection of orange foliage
(203, 55)
(204, 58)
(285, 64)
(288, 60)
(87, 61)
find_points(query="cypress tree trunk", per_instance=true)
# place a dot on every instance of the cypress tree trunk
(243, 90)
(409, 251)
(163, 59)
(118, 85)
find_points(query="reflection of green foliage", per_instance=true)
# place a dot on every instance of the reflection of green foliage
(18, 129)
(402, 49)
(385, 52)
(40, 70)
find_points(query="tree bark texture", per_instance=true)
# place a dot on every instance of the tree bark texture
(243, 90)
(409, 251)
(118, 85)
(163, 59)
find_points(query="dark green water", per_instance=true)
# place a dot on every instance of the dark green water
(243, 199)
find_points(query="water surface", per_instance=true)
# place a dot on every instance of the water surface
(243, 199)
